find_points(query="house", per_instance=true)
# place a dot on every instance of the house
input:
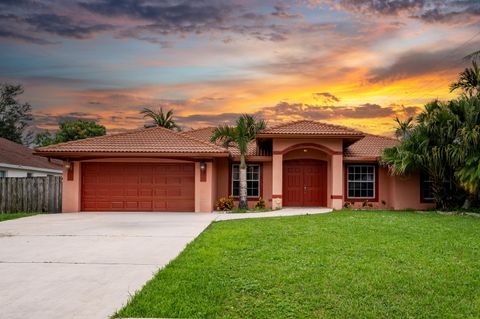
(298, 164)
(17, 160)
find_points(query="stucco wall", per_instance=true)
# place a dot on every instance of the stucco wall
(397, 192)
(223, 186)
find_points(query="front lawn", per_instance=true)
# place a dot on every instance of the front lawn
(339, 265)
(8, 216)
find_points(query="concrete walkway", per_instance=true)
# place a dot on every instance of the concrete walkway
(86, 265)
(275, 213)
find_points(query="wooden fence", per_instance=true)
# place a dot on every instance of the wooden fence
(31, 194)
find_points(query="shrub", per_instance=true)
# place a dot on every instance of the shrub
(260, 204)
(367, 204)
(224, 204)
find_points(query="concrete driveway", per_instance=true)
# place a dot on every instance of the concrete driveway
(86, 265)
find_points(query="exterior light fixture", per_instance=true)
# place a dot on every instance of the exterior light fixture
(68, 164)
(305, 150)
(203, 166)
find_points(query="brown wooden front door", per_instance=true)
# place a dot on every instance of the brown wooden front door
(138, 187)
(304, 183)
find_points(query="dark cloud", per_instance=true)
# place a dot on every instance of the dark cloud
(64, 26)
(429, 11)
(463, 12)
(416, 63)
(383, 7)
(281, 11)
(326, 97)
(324, 112)
(23, 37)
(52, 120)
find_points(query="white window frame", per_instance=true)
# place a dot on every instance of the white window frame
(252, 180)
(374, 181)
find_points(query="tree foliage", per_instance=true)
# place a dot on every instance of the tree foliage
(160, 118)
(70, 131)
(14, 116)
(245, 130)
(468, 81)
(445, 143)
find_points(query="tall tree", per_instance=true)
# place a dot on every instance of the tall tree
(14, 116)
(71, 131)
(468, 81)
(160, 118)
(244, 131)
(427, 148)
(404, 127)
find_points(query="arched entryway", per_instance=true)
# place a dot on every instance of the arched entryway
(304, 183)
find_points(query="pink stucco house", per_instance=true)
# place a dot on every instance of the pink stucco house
(297, 164)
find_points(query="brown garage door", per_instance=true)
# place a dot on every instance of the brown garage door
(138, 187)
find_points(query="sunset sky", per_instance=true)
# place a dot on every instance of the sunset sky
(352, 62)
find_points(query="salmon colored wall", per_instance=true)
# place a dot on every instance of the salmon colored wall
(406, 193)
(204, 191)
(71, 199)
(335, 144)
(398, 192)
(223, 182)
(334, 162)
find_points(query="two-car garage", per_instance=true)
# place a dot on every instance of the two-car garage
(137, 186)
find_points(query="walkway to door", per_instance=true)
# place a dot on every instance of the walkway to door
(305, 183)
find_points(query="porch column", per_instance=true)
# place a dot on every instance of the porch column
(277, 180)
(204, 192)
(337, 181)
(71, 188)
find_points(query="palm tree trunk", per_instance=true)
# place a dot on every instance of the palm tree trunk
(243, 204)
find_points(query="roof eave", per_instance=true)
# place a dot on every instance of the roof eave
(274, 135)
(350, 159)
(83, 154)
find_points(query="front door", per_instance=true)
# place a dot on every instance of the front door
(304, 183)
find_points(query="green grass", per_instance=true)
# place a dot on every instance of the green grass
(340, 265)
(8, 216)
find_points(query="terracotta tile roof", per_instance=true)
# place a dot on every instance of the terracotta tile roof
(306, 127)
(146, 140)
(371, 146)
(16, 154)
(205, 134)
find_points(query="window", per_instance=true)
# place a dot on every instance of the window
(426, 187)
(3, 173)
(361, 181)
(426, 184)
(29, 174)
(253, 180)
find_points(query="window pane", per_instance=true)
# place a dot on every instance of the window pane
(253, 180)
(361, 181)
(236, 188)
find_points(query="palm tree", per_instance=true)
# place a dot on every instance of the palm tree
(244, 131)
(468, 81)
(465, 152)
(160, 118)
(403, 128)
(427, 148)
(473, 56)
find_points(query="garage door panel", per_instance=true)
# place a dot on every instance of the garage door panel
(138, 187)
